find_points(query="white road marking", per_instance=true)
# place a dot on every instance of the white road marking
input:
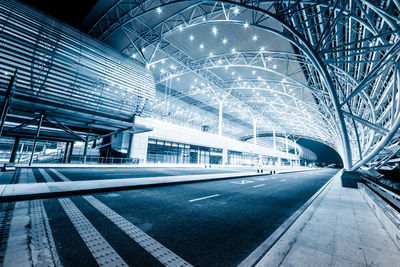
(46, 176)
(243, 182)
(259, 185)
(60, 175)
(261, 179)
(283, 180)
(95, 242)
(201, 198)
(164, 255)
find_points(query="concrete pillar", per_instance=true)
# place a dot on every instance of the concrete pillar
(287, 145)
(274, 138)
(131, 137)
(224, 156)
(220, 118)
(14, 150)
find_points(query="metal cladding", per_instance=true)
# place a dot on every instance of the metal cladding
(61, 67)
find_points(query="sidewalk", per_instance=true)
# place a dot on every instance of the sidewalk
(13, 192)
(338, 229)
(29, 189)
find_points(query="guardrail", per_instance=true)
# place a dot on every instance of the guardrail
(386, 206)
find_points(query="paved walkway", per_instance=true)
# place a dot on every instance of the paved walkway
(338, 229)
(10, 192)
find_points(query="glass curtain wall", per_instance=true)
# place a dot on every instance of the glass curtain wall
(159, 151)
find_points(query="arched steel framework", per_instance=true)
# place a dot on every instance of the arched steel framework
(346, 53)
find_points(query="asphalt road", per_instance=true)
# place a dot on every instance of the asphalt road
(216, 223)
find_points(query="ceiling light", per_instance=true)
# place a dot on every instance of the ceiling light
(236, 11)
(191, 37)
(214, 30)
(224, 41)
(262, 48)
(246, 25)
(159, 10)
(180, 28)
(211, 54)
(233, 50)
(254, 72)
(201, 46)
(255, 38)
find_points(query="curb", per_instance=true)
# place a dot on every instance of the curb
(112, 188)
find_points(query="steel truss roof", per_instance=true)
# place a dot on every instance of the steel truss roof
(344, 53)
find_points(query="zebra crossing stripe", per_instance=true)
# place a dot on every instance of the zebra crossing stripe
(60, 175)
(164, 255)
(46, 176)
(101, 250)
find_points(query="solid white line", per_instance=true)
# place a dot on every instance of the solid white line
(282, 180)
(201, 198)
(259, 185)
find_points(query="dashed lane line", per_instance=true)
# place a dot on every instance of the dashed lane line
(46, 176)
(259, 185)
(283, 180)
(164, 255)
(60, 175)
(201, 198)
(243, 182)
(101, 250)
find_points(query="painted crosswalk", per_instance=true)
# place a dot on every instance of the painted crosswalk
(46, 176)
(60, 175)
(101, 250)
(163, 254)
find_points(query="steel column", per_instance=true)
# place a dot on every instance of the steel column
(71, 148)
(85, 150)
(220, 118)
(66, 152)
(255, 132)
(35, 139)
(14, 150)
(6, 101)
